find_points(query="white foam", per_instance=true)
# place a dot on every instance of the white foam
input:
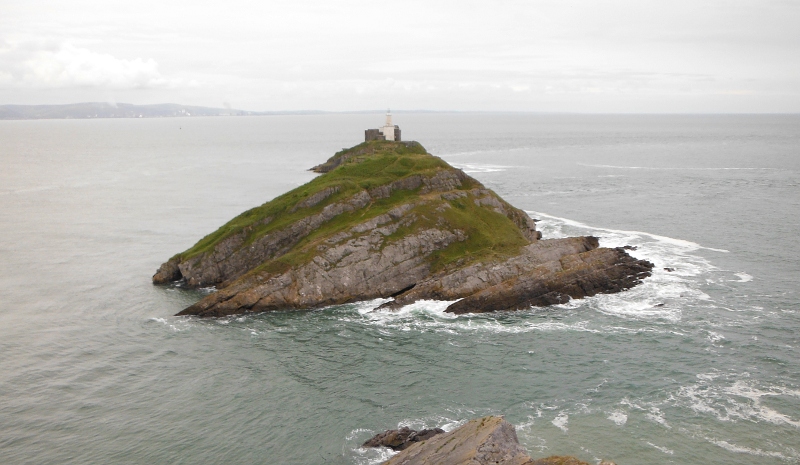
(755, 409)
(653, 413)
(561, 421)
(169, 323)
(714, 337)
(618, 417)
(739, 401)
(676, 281)
(480, 167)
(435, 421)
(688, 245)
(366, 455)
(744, 277)
(746, 450)
(429, 315)
(657, 416)
(662, 449)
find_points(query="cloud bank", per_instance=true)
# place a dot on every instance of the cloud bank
(41, 65)
(494, 55)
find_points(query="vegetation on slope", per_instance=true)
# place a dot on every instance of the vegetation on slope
(364, 167)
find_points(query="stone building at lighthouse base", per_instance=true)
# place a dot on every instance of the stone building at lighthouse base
(387, 132)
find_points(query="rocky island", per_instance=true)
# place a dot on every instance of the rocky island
(386, 219)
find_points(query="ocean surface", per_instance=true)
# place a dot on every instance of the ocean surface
(700, 365)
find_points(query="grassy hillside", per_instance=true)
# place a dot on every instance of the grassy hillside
(362, 168)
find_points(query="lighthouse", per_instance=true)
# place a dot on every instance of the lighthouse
(388, 128)
(389, 131)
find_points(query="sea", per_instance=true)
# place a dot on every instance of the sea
(698, 365)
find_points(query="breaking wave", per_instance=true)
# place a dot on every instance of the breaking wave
(480, 167)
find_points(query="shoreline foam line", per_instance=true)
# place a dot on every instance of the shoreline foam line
(671, 240)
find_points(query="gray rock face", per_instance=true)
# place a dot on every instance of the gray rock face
(400, 439)
(466, 281)
(598, 271)
(355, 270)
(484, 441)
(231, 258)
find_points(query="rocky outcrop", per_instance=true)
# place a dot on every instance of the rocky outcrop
(556, 282)
(484, 441)
(400, 439)
(465, 281)
(392, 221)
(358, 269)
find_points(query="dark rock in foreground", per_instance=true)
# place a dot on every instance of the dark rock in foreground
(389, 220)
(399, 439)
(484, 441)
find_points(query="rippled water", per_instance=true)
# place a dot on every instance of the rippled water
(696, 366)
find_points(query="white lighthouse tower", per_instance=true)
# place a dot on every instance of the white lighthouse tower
(388, 129)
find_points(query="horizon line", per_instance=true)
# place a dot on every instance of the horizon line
(310, 112)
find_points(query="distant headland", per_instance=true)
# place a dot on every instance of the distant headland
(92, 110)
(112, 110)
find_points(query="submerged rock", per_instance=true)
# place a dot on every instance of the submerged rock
(389, 220)
(484, 441)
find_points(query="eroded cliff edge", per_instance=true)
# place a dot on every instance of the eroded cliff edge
(389, 220)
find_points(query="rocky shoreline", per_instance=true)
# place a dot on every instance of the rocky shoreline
(388, 220)
(489, 440)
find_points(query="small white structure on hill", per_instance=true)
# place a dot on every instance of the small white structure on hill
(388, 128)
(387, 132)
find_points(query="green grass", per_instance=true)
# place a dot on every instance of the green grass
(491, 235)
(379, 163)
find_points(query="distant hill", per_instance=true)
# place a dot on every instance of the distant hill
(120, 110)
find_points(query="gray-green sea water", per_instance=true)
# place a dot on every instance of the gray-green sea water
(697, 366)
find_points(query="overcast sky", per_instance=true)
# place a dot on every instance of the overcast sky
(498, 55)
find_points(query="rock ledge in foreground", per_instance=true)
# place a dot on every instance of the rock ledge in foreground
(401, 439)
(484, 441)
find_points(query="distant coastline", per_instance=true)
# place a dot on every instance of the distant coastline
(92, 110)
(97, 110)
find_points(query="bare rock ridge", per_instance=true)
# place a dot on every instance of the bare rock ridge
(483, 441)
(388, 220)
(399, 439)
